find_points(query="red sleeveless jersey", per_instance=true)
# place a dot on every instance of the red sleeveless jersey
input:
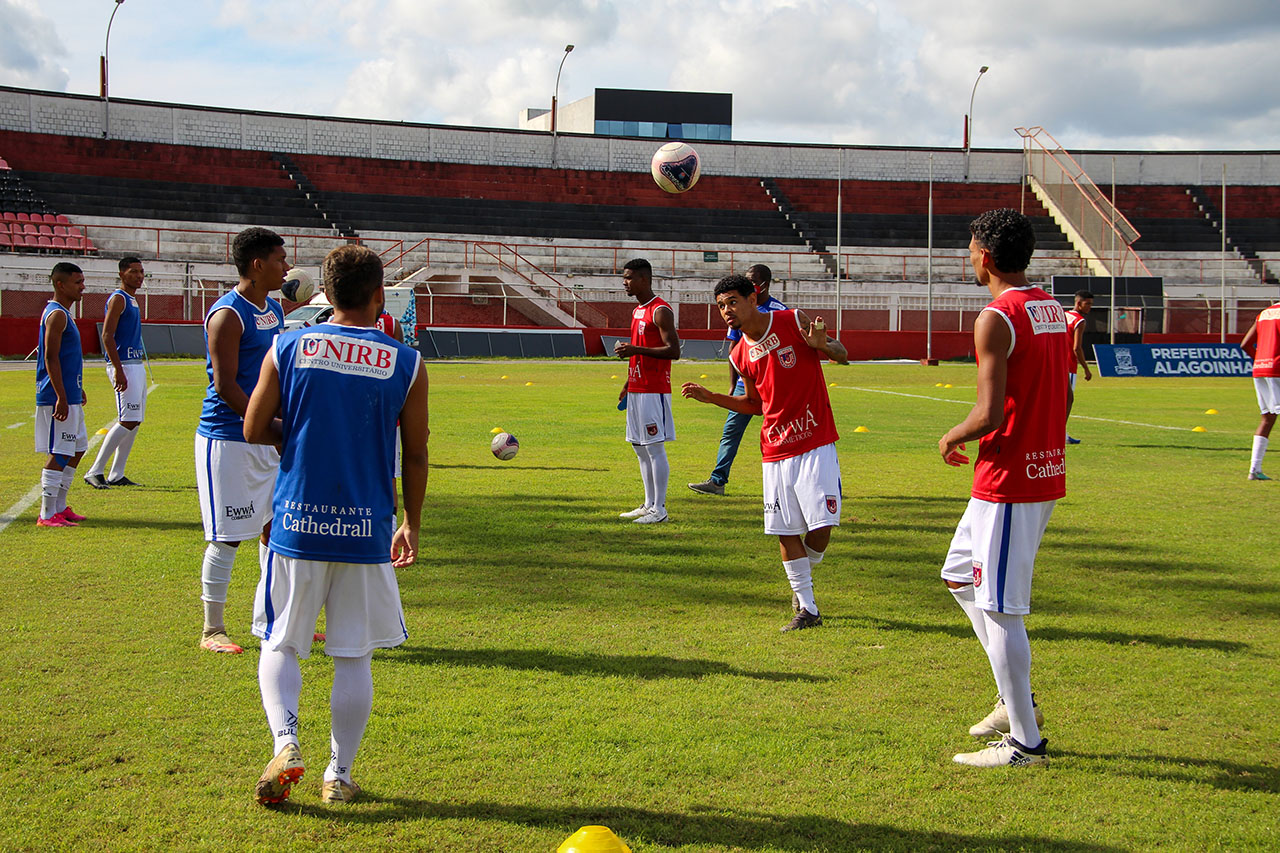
(386, 324)
(787, 373)
(1022, 461)
(1073, 319)
(1266, 360)
(645, 374)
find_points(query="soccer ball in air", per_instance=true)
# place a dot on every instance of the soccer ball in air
(676, 167)
(505, 446)
(298, 285)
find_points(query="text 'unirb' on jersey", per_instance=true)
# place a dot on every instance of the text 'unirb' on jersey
(1046, 317)
(342, 354)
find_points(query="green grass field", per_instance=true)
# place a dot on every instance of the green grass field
(567, 668)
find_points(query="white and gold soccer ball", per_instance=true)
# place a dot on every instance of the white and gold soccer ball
(505, 446)
(298, 285)
(676, 167)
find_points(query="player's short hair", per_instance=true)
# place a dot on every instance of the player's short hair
(1008, 236)
(128, 261)
(1083, 294)
(639, 265)
(761, 270)
(63, 270)
(253, 244)
(738, 284)
(351, 275)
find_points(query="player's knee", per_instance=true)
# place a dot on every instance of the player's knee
(955, 584)
(59, 460)
(131, 425)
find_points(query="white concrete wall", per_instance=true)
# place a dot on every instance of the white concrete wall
(80, 115)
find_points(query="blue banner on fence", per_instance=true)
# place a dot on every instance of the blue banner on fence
(1172, 360)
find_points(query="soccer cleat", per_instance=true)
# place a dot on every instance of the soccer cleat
(996, 723)
(218, 641)
(636, 513)
(277, 780)
(337, 791)
(1071, 440)
(55, 521)
(1258, 475)
(122, 481)
(1006, 752)
(73, 517)
(803, 619)
(97, 481)
(652, 517)
(708, 487)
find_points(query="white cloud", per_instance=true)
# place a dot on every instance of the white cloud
(29, 47)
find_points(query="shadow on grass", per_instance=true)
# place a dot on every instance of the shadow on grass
(748, 831)
(1118, 638)
(1225, 775)
(631, 666)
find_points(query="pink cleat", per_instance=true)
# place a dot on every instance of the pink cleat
(55, 521)
(72, 516)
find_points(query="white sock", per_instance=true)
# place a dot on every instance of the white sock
(646, 473)
(661, 470)
(815, 557)
(108, 447)
(1259, 450)
(1009, 651)
(50, 486)
(349, 705)
(123, 447)
(215, 576)
(280, 680)
(965, 598)
(68, 474)
(799, 573)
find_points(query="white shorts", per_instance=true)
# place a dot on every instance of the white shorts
(236, 481)
(131, 403)
(802, 493)
(399, 442)
(994, 549)
(649, 418)
(1268, 389)
(361, 606)
(62, 438)
(1071, 381)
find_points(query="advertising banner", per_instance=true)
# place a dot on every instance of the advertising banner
(1172, 360)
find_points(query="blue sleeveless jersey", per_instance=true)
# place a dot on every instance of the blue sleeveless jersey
(217, 420)
(70, 358)
(341, 391)
(128, 329)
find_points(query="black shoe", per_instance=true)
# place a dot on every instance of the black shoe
(97, 481)
(121, 481)
(804, 619)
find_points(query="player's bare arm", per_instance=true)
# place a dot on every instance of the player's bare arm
(733, 378)
(1247, 341)
(54, 325)
(991, 338)
(261, 426)
(115, 307)
(665, 320)
(1080, 357)
(224, 354)
(414, 433)
(816, 337)
(747, 404)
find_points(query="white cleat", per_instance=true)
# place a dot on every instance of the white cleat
(637, 512)
(996, 723)
(1005, 752)
(653, 517)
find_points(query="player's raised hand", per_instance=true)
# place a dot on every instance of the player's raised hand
(951, 452)
(817, 334)
(694, 391)
(404, 547)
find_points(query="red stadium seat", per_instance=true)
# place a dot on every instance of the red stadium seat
(4, 167)
(62, 220)
(60, 243)
(44, 242)
(45, 230)
(6, 242)
(9, 216)
(75, 243)
(22, 217)
(60, 231)
(50, 218)
(28, 228)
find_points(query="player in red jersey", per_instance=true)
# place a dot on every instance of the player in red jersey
(646, 394)
(388, 325)
(1266, 381)
(778, 360)
(1020, 417)
(1075, 339)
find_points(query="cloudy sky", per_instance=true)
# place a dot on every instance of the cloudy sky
(1145, 74)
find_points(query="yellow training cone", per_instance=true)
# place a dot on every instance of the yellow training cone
(504, 376)
(102, 431)
(1198, 429)
(948, 385)
(1211, 411)
(495, 430)
(832, 385)
(527, 384)
(593, 839)
(703, 376)
(862, 429)
(614, 376)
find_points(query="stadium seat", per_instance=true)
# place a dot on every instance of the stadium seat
(59, 243)
(23, 217)
(44, 242)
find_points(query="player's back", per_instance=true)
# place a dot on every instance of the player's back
(1266, 359)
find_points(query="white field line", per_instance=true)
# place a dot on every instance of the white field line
(970, 403)
(32, 496)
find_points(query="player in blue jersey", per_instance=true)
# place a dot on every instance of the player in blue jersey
(330, 396)
(60, 398)
(122, 345)
(235, 478)
(735, 424)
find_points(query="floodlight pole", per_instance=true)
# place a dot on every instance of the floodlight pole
(968, 122)
(555, 97)
(1114, 259)
(928, 276)
(102, 71)
(1223, 319)
(839, 235)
